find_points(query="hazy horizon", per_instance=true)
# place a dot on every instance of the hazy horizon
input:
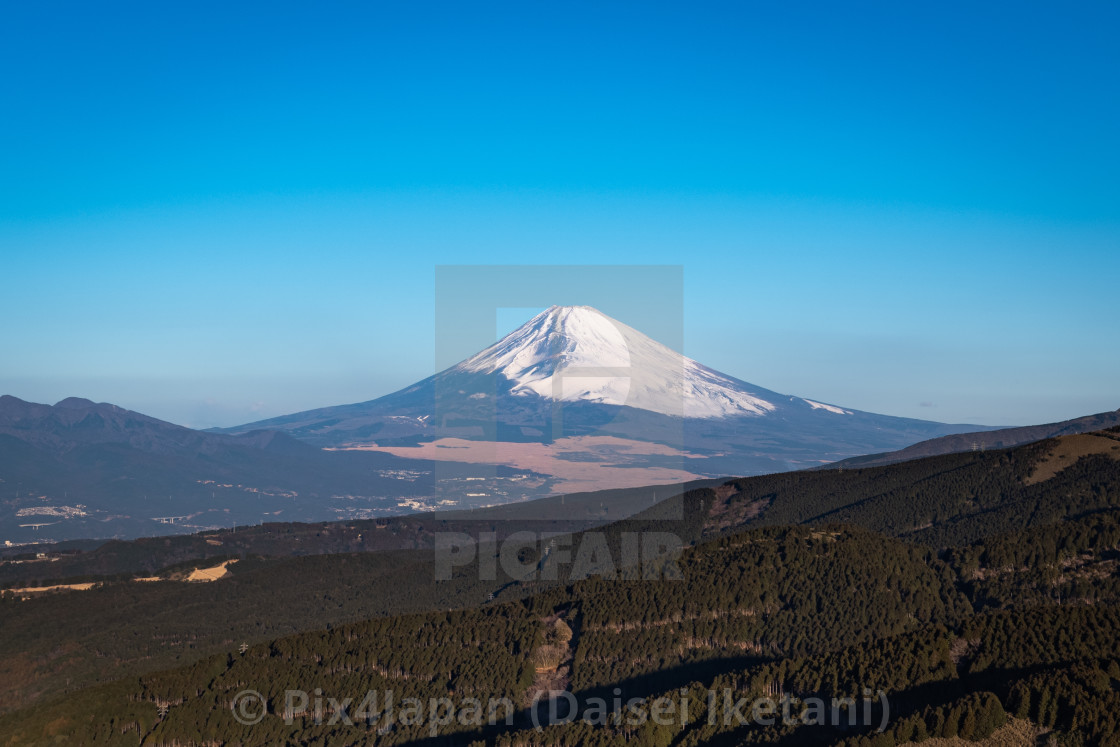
(216, 217)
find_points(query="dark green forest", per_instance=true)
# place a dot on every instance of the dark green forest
(944, 597)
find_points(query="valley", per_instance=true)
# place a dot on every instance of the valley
(795, 578)
(574, 463)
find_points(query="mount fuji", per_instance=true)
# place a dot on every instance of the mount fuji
(579, 354)
(572, 385)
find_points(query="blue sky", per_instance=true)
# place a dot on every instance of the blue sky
(214, 214)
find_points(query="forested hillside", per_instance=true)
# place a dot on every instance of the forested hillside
(958, 591)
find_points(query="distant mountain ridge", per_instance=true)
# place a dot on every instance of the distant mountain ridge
(75, 421)
(1003, 438)
(79, 469)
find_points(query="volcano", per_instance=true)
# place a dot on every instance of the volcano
(574, 372)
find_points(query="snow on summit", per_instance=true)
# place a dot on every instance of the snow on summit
(577, 353)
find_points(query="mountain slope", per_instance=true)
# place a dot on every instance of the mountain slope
(1031, 532)
(1002, 438)
(820, 610)
(80, 469)
(567, 353)
(75, 422)
(573, 371)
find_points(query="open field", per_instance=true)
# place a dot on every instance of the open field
(605, 462)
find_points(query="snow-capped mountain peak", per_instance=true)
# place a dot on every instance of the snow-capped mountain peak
(577, 353)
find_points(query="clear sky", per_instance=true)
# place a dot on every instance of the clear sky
(217, 212)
